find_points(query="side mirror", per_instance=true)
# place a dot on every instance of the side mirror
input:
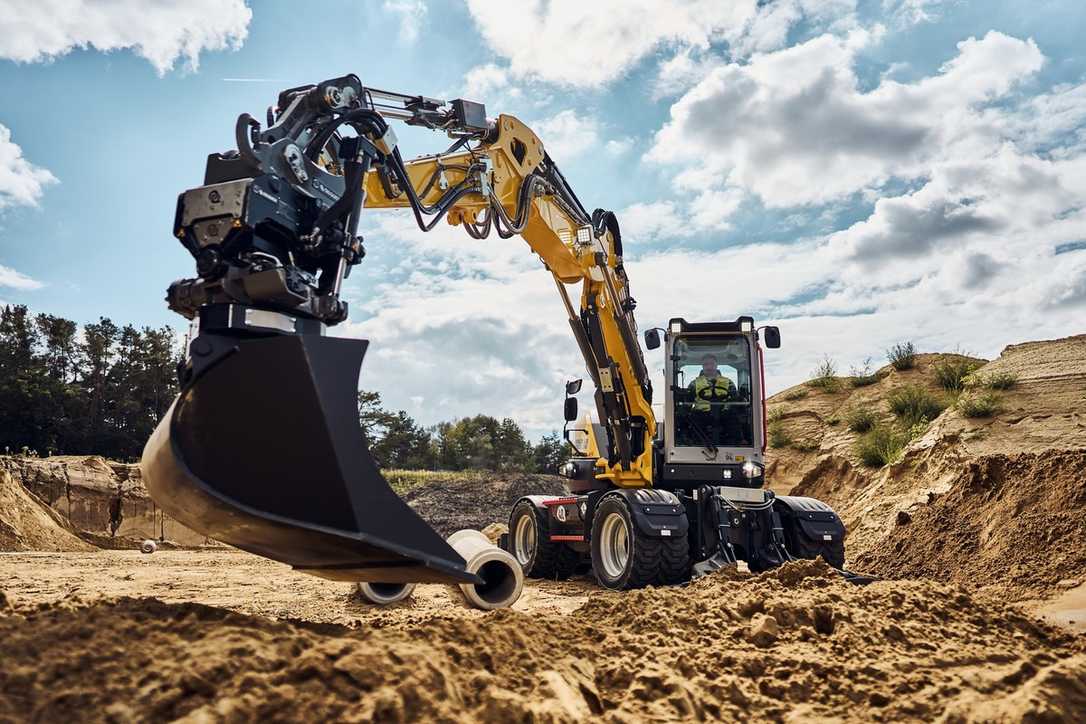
(652, 338)
(571, 409)
(772, 337)
(573, 387)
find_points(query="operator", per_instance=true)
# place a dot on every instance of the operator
(709, 386)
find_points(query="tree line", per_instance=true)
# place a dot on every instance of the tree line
(481, 442)
(97, 391)
(101, 390)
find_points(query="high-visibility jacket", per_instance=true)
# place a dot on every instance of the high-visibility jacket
(710, 389)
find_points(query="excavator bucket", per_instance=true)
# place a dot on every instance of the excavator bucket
(263, 450)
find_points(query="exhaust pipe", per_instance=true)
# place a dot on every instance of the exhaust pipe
(502, 577)
(382, 594)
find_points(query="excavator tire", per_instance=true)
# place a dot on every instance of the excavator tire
(623, 558)
(530, 544)
(675, 566)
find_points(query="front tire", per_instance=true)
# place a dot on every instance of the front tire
(624, 558)
(530, 543)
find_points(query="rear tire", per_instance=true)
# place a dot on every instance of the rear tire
(624, 558)
(530, 543)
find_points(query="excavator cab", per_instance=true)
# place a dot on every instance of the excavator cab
(714, 403)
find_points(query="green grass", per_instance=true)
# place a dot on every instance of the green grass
(912, 405)
(860, 419)
(824, 376)
(879, 446)
(985, 404)
(902, 356)
(995, 381)
(952, 372)
(806, 445)
(778, 436)
(1001, 381)
(862, 376)
(796, 394)
(403, 480)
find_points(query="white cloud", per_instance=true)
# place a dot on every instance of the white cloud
(645, 222)
(159, 30)
(21, 182)
(482, 81)
(794, 127)
(17, 280)
(567, 134)
(411, 14)
(618, 146)
(587, 44)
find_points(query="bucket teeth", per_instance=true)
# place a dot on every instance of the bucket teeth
(263, 450)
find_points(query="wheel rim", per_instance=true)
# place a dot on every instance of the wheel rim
(524, 540)
(614, 545)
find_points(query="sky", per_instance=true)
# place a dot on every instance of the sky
(858, 172)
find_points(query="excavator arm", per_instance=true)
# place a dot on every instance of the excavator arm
(519, 190)
(262, 448)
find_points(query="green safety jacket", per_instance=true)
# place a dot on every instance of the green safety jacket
(710, 389)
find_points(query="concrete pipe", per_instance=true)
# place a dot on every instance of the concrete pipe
(383, 594)
(503, 579)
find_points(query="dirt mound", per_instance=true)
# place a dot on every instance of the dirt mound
(451, 502)
(996, 501)
(799, 642)
(28, 524)
(1018, 523)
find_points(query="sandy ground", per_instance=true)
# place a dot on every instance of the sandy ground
(218, 635)
(232, 579)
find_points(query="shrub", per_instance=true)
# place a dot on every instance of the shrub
(860, 419)
(824, 376)
(806, 445)
(902, 356)
(879, 446)
(952, 372)
(913, 404)
(778, 436)
(775, 415)
(862, 376)
(982, 405)
(796, 394)
(835, 420)
(1001, 381)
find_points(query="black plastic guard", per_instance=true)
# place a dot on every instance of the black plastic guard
(263, 450)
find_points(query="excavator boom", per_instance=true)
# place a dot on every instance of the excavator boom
(262, 448)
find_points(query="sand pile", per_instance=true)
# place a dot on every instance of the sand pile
(451, 502)
(1016, 523)
(795, 642)
(27, 524)
(997, 502)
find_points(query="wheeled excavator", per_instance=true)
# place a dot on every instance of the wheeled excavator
(262, 449)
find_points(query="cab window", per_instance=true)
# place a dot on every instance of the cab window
(711, 388)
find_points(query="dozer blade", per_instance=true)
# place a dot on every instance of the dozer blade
(263, 450)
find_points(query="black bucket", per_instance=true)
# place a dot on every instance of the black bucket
(263, 450)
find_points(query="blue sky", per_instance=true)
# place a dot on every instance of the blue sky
(858, 172)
